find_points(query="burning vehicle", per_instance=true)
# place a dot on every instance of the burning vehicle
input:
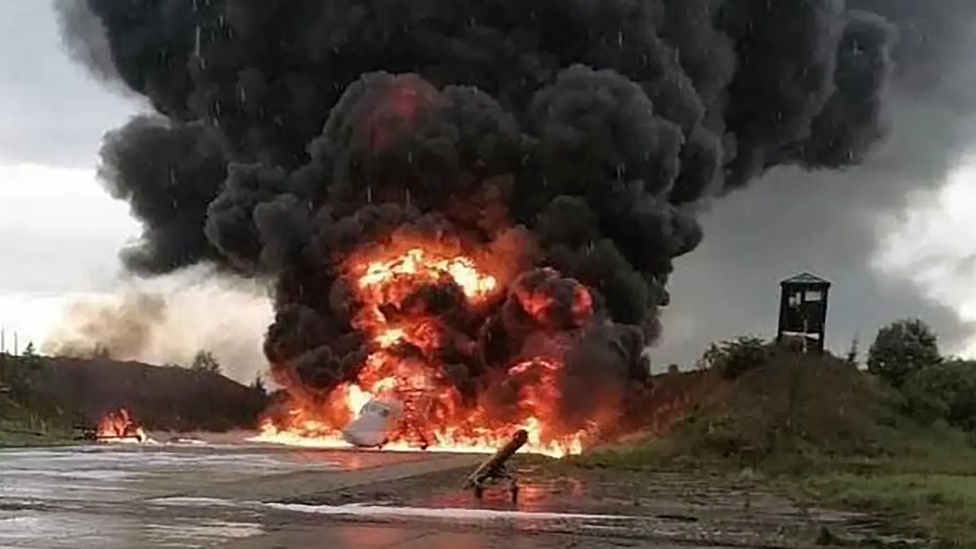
(469, 208)
(120, 427)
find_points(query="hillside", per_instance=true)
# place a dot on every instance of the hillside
(794, 405)
(787, 407)
(827, 433)
(69, 390)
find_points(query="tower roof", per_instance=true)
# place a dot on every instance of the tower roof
(806, 278)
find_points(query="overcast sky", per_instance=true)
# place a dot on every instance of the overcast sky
(60, 232)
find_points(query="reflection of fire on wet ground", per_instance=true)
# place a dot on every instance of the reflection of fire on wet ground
(665, 507)
(535, 495)
(186, 440)
(539, 491)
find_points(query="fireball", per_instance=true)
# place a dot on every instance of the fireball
(119, 426)
(409, 337)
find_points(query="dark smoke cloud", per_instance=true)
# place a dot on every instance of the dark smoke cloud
(932, 36)
(84, 36)
(169, 173)
(293, 134)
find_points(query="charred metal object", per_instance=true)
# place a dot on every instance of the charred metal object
(495, 470)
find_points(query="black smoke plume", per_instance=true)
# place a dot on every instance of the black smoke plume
(290, 134)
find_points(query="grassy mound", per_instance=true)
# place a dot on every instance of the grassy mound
(824, 431)
(793, 405)
(790, 405)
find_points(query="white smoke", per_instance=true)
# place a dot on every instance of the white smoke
(168, 320)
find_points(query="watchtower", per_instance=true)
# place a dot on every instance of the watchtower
(803, 311)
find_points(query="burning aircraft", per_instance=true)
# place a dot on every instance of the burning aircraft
(468, 207)
(372, 428)
(118, 426)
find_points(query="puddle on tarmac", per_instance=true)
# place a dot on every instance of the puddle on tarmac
(203, 531)
(395, 511)
(20, 526)
(450, 513)
(90, 474)
(105, 473)
(58, 530)
(196, 502)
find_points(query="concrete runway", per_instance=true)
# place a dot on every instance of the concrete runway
(175, 496)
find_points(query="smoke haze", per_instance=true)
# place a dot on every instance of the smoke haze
(167, 321)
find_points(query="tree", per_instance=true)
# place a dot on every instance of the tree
(854, 352)
(101, 351)
(204, 361)
(901, 348)
(258, 385)
(30, 358)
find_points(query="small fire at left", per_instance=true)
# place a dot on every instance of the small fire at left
(118, 426)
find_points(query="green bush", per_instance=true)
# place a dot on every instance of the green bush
(902, 349)
(945, 391)
(906, 355)
(737, 356)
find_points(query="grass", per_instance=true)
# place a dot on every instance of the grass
(13, 437)
(939, 506)
(823, 433)
(20, 428)
(927, 493)
(927, 489)
(14, 434)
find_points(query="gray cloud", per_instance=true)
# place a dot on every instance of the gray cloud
(51, 111)
(828, 222)
(53, 115)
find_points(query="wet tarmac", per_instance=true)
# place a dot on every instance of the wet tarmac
(235, 495)
(246, 496)
(108, 497)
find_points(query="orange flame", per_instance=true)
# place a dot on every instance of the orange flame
(119, 426)
(436, 415)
